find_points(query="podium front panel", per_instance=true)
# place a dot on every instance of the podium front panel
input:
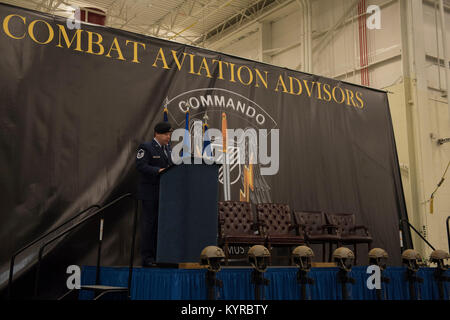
(187, 220)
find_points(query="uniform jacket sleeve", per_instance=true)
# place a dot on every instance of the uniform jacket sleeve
(142, 162)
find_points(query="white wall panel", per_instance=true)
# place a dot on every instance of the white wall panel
(439, 117)
(386, 74)
(341, 55)
(246, 47)
(430, 30)
(435, 222)
(288, 59)
(288, 29)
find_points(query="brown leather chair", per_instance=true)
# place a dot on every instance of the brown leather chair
(276, 221)
(346, 226)
(237, 226)
(316, 230)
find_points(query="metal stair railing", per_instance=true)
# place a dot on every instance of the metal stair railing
(448, 231)
(97, 288)
(13, 257)
(96, 213)
(418, 233)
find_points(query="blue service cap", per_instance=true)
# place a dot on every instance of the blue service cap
(163, 127)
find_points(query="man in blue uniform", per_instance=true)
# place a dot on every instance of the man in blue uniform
(152, 158)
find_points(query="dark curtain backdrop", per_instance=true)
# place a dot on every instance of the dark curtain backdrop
(71, 123)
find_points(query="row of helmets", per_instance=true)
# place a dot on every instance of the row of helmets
(259, 255)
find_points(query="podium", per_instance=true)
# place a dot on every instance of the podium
(187, 215)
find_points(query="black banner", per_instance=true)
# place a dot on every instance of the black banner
(76, 103)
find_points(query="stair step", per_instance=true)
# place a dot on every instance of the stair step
(324, 264)
(103, 288)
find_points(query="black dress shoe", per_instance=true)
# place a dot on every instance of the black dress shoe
(149, 263)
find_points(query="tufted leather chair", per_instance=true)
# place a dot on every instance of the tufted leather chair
(236, 226)
(316, 230)
(346, 228)
(277, 224)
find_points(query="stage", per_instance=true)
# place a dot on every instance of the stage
(189, 284)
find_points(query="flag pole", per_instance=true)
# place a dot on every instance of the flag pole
(226, 164)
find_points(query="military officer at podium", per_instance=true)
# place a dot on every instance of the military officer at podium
(152, 158)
